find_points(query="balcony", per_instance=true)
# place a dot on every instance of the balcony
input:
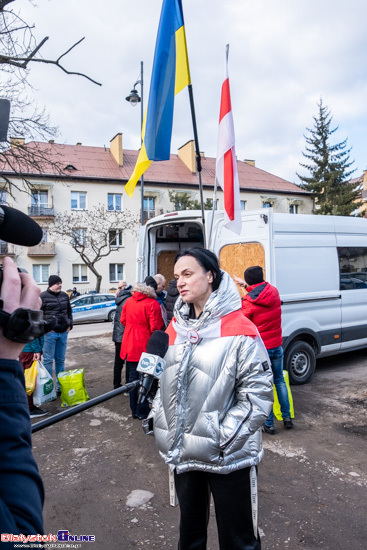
(41, 211)
(6, 249)
(149, 214)
(42, 249)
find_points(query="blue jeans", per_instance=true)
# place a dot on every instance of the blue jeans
(54, 349)
(276, 358)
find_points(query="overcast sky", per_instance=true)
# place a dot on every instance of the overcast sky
(284, 56)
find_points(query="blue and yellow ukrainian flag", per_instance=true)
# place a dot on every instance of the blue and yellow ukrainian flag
(170, 74)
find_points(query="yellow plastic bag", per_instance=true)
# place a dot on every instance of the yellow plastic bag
(30, 376)
(276, 406)
(72, 386)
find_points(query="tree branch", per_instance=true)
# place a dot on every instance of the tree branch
(22, 62)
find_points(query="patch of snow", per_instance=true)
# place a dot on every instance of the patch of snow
(95, 422)
(138, 498)
(80, 450)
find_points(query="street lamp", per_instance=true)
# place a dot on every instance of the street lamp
(134, 99)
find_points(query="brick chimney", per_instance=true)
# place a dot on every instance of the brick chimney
(186, 154)
(116, 149)
(250, 162)
(15, 141)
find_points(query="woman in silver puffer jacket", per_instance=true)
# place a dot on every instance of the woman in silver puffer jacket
(215, 394)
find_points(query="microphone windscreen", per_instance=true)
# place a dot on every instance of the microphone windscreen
(158, 343)
(18, 228)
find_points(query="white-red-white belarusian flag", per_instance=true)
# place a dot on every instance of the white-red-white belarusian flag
(226, 166)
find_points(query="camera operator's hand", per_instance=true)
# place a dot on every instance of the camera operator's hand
(17, 290)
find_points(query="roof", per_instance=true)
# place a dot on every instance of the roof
(98, 163)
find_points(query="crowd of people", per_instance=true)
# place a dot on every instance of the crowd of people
(215, 395)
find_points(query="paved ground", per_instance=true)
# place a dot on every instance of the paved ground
(90, 329)
(313, 479)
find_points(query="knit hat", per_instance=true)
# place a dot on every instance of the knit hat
(149, 281)
(53, 280)
(254, 275)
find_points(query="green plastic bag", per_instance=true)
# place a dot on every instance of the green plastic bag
(72, 386)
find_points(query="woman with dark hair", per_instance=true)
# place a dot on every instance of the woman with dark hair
(215, 394)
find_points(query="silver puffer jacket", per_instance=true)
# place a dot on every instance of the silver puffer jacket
(214, 394)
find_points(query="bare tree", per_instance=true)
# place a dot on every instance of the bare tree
(18, 51)
(95, 233)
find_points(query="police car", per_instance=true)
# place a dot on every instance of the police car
(93, 307)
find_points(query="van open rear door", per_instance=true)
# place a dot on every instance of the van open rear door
(162, 237)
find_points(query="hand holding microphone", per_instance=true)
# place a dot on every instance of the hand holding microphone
(151, 363)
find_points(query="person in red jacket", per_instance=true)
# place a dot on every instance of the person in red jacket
(261, 304)
(141, 316)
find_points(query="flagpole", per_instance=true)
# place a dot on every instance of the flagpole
(198, 158)
(213, 209)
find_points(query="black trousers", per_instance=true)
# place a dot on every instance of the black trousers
(232, 501)
(142, 410)
(117, 368)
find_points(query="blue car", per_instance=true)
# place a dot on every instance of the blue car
(93, 307)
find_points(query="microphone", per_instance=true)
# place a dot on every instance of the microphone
(18, 228)
(151, 363)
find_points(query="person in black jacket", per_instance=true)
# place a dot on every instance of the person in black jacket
(172, 295)
(74, 293)
(56, 307)
(21, 488)
(122, 294)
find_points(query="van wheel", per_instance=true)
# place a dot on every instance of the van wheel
(111, 315)
(300, 362)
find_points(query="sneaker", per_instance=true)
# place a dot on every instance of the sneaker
(288, 424)
(268, 429)
(36, 412)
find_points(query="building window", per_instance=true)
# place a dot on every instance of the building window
(80, 273)
(243, 205)
(114, 201)
(39, 198)
(78, 200)
(2, 196)
(4, 247)
(293, 208)
(149, 207)
(116, 272)
(79, 237)
(41, 273)
(115, 237)
(267, 204)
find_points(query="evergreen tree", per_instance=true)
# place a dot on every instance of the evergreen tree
(182, 201)
(329, 169)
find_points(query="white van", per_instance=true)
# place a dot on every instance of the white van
(318, 264)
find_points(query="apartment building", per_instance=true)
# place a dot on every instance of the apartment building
(81, 177)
